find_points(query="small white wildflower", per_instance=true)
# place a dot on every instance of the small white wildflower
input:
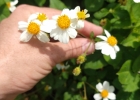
(61, 66)
(108, 46)
(38, 16)
(63, 27)
(106, 91)
(32, 28)
(12, 5)
(81, 15)
(136, 1)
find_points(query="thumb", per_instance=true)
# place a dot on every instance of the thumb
(73, 49)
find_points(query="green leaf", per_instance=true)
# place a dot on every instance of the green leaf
(133, 40)
(4, 11)
(102, 13)
(79, 85)
(136, 65)
(121, 18)
(127, 78)
(91, 35)
(93, 5)
(40, 2)
(57, 4)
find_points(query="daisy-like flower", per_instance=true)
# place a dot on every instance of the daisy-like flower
(106, 92)
(12, 5)
(108, 46)
(63, 27)
(38, 16)
(136, 1)
(61, 66)
(81, 15)
(33, 28)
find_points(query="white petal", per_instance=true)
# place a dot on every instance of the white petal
(102, 37)
(25, 36)
(37, 21)
(111, 89)
(136, 1)
(80, 24)
(33, 17)
(85, 11)
(65, 11)
(22, 25)
(116, 48)
(87, 15)
(77, 8)
(97, 96)
(54, 32)
(71, 32)
(112, 96)
(112, 53)
(43, 37)
(12, 8)
(107, 49)
(99, 87)
(100, 45)
(55, 17)
(107, 33)
(65, 38)
(106, 85)
(48, 25)
(13, 3)
(105, 99)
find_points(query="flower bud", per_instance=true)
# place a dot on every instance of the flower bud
(81, 59)
(77, 71)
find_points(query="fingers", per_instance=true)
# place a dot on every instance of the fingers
(90, 27)
(73, 49)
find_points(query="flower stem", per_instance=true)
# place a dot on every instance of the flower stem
(91, 86)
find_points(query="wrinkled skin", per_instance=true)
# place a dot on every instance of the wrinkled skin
(22, 65)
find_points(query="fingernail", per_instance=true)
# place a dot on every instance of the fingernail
(88, 47)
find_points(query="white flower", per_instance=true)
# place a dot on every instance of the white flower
(136, 1)
(81, 16)
(38, 16)
(63, 27)
(108, 46)
(61, 66)
(12, 5)
(106, 91)
(32, 28)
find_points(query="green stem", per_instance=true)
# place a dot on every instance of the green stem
(85, 94)
(92, 86)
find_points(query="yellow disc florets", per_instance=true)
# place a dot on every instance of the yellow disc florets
(81, 59)
(41, 17)
(81, 15)
(77, 71)
(104, 93)
(112, 40)
(63, 22)
(8, 4)
(33, 28)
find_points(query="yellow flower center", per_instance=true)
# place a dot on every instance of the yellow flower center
(112, 40)
(63, 21)
(104, 93)
(8, 4)
(33, 28)
(47, 87)
(41, 17)
(81, 15)
(76, 71)
(81, 59)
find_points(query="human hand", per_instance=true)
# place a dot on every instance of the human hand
(22, 65)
